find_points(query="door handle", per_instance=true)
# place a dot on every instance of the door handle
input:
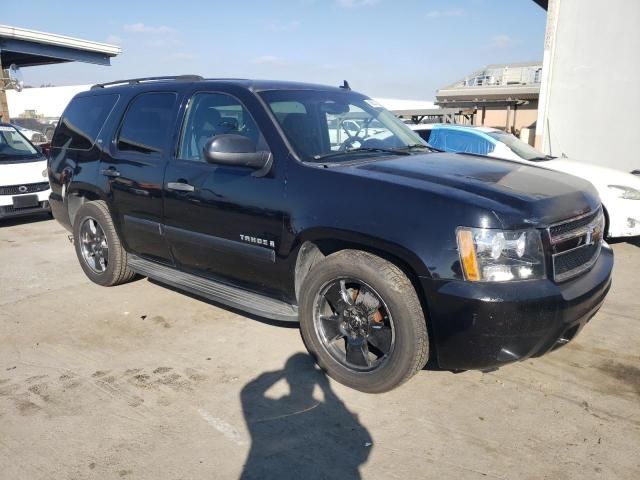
(180, 186)
(110, 172)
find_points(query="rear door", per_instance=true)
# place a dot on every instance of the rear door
(134, 164)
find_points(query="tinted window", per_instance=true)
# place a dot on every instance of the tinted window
(147, 124)
(211, 114)
(82, 121)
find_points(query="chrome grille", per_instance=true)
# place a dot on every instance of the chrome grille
(24, 188)
(576, 244)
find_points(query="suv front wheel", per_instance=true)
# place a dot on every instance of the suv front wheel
(98, 247)
(362, 320)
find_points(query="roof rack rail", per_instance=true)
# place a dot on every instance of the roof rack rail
(135, 81)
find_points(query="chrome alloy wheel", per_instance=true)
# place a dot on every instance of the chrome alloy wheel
(354, 324)
(94, 246)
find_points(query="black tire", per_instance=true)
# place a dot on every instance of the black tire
(116, 270)
(410, 350)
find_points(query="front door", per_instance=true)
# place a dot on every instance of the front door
(223, 221)
(134, 164)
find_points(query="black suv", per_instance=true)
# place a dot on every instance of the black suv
(314, 204)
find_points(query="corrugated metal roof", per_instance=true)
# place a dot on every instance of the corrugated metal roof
(16, 33)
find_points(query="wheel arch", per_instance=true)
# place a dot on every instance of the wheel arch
(312, 248)
(78, 195)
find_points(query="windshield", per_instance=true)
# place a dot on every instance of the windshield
(520, 148)
(14, 145)
(340, 125)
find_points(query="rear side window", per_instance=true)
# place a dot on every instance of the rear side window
(82, 121)
(147, 124)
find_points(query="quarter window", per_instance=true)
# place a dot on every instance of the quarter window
(211, 114)
(147, 124)
(82, 121)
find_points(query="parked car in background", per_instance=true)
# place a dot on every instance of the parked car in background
(40, 126)
(32, 135)
(619, 191)
(24, 187)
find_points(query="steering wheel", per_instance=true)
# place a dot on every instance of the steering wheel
(348, 143)
(352, 138)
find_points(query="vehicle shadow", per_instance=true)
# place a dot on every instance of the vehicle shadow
(635, 241)
(297, 435)
(34, 218)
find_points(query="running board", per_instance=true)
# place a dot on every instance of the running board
(226, 294)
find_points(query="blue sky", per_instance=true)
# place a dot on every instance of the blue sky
(385, 48)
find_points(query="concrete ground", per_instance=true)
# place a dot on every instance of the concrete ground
(142, 382)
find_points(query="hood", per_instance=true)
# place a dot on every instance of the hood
(519, 195)
(23, 172)
(599, 176)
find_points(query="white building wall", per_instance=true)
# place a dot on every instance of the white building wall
(46, 101)
(591, 91)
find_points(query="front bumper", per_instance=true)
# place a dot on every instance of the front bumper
(486, 325)
(7, 209)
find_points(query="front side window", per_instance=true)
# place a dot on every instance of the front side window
(211, 114)
(322, 124)
(146, 126)
(14, 145)
(82, 121)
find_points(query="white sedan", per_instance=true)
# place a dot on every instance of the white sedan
(619, 191)
(24, 184)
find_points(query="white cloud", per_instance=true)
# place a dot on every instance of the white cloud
(142, 28)
(279, 26)
(453, 12)
(270, 60)
(355, 3)
(113, 39)
(501, 41)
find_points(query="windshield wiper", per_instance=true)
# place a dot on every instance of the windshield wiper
(419, 145)
(360, 150)
(542, 158)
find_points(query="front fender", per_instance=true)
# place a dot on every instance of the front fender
(333, 239)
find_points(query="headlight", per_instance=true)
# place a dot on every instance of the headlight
(490, 255)
(627, 193)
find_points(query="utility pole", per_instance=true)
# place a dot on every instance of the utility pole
(4, 105)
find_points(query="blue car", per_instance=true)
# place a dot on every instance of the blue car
(619, 191)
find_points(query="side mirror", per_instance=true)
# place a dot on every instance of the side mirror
(232, 149)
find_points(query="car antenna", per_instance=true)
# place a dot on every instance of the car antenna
(345, 85)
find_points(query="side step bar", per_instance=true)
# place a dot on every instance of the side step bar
(229, 295)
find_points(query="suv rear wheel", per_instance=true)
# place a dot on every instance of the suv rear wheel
(98, 247)
(362, 320)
